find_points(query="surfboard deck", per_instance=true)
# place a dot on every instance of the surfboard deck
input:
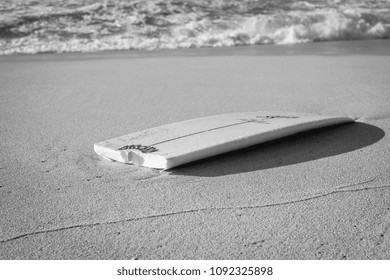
(170, 145)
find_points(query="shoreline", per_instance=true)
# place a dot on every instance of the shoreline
(326, 48)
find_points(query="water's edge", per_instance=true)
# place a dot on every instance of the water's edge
(60, 26)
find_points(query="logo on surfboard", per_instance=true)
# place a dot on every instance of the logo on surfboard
(144, 149)
(277, 117)
(264, 119)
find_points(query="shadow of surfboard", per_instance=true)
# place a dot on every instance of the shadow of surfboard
(298, 148)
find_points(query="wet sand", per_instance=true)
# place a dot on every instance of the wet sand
(319, 195)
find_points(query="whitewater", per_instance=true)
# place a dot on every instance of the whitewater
(30, 27)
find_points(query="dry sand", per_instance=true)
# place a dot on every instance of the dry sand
(320, 195)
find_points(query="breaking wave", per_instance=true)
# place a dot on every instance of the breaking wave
(28, 26)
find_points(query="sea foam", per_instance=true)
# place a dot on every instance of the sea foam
(92, 25)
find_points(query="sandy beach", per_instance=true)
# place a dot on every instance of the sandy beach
(324, 194)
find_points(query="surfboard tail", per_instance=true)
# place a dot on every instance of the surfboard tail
(131, 156)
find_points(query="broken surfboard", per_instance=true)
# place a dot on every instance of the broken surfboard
(170, 145)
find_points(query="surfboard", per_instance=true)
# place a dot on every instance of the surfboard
(171, 145)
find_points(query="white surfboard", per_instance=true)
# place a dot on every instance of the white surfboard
(167, 146)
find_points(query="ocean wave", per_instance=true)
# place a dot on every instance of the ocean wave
(29, 27)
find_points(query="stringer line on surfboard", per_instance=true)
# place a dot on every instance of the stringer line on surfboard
(203, 131)
(262, 119)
